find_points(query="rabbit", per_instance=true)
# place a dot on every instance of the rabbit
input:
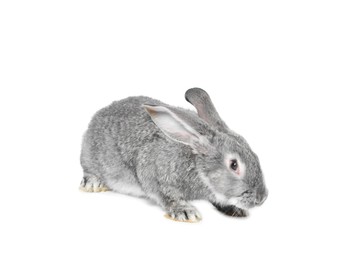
(143, 147)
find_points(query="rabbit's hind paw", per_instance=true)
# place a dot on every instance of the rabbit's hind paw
(92, 184)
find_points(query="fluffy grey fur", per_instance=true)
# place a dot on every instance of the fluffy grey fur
(143, 147)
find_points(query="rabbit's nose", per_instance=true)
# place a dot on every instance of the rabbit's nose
(261, 197)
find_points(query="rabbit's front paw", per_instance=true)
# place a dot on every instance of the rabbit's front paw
(183, 211)
(232, 211)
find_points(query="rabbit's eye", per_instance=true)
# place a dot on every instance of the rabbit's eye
(234, 165)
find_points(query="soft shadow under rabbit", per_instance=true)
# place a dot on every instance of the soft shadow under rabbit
(143, 147)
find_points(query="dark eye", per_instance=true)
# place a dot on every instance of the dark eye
(234, 165)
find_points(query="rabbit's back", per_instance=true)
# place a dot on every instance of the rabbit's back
(126, 122)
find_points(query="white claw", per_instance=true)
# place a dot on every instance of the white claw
(192, 218)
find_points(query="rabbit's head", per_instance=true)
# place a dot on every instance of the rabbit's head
(224, 160)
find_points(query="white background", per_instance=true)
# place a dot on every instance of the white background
(270, 67)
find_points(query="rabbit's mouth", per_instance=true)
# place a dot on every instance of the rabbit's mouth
(237, 202)
(245, 201)
(249, 199)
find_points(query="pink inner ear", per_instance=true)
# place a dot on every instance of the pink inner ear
(201, 113)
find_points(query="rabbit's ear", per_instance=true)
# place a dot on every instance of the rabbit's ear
(206, 110)
(176, 128)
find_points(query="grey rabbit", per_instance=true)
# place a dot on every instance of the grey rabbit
(143, 147)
